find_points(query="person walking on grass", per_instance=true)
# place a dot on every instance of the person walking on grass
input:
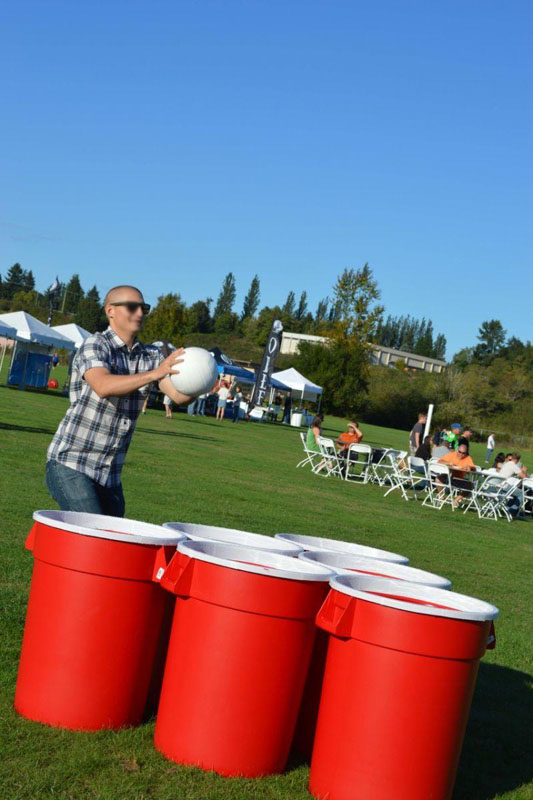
(416, 436)
(223, 394)
(491, 445)
(111, 373)
(237, 399)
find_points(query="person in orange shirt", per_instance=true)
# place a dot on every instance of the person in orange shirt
(461, 463)
(352, 436)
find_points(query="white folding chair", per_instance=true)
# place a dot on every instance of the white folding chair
(414, 477)
(387, 465)
(331, 463)
(310, 455)
(357, 469)
(493, 497)
(440, 489)
(527, 497)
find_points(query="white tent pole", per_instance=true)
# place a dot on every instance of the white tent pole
(3, 355)
(428, 421)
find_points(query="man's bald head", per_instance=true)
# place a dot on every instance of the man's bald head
(119, 294)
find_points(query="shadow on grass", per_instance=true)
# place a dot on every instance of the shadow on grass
(32, 390)
(7, 426)
(177, 434)
(497, 750)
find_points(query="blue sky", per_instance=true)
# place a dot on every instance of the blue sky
(167, 143)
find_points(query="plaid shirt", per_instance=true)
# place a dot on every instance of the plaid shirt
(94, 435)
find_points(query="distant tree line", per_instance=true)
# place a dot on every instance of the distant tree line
(412, 335)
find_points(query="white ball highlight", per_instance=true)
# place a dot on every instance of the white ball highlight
(197, 373)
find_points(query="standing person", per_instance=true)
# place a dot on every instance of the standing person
(167, 402)
(416, 436)
(465, 438)
(287, 409)
(453, 436)
(201, 404)
(55, 360)
(110, 375)
(491, 444)
(223, 394)
(237, 399)
(191, 408)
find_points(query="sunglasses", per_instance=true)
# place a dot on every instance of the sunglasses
(133, 307)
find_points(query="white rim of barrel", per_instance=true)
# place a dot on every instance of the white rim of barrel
(264, 562)
(348, 564)
(100, 526)
(214, 533)
(440, 602)
(320, 543)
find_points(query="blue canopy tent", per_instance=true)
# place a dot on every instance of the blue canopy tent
(227, 367)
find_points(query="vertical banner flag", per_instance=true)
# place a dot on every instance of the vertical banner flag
(267, 364)
(52, 291)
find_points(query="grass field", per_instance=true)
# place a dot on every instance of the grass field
(243, 476)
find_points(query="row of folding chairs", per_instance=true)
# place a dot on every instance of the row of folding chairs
(491, 496)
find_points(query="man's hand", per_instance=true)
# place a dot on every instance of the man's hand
(166, 367)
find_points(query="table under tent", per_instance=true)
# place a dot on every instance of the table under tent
(31, 359)
(302, 389)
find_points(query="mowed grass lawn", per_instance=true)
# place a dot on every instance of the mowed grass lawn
(243, 476)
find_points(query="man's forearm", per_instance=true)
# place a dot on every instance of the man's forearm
(110, 385)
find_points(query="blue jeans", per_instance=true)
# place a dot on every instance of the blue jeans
(74, 491)
(489, 454)
(236, 408)
(201, 406)
(191, 408)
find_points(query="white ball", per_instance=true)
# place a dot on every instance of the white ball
(197, 373)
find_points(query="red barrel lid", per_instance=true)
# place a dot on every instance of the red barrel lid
(319, 543)
(231, 536)
(346, 563)
(260, 562)
(414, 598)
(103, 527)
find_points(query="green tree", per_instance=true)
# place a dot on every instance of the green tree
(340, 366)
(301, 311)
(199, 317)
(166, 321)
(355, 296)
(13, 282)
(90, 314)
(72, 295)
(321, 312)
(491, 337)
(289, 307)
(28, 281)
(251, 301)
(226, 298)
(226, 323)
(439, 348)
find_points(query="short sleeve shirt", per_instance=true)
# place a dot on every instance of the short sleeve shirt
(418, 428)
(454, 460)
(94, 435)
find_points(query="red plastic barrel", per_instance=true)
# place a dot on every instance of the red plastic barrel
(212, 533)
(93, 621)
(319, 543)
(238, 655)
(343, 563)
(349, 563)
(400, 673)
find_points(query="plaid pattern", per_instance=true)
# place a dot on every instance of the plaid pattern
(94, 435)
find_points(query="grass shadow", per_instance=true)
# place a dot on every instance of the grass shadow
(497, 750)
(7, 426)
(177, 434)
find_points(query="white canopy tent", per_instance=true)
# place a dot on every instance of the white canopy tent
(30, 363)
(299, 384)
(74, 332)
(6, 332)
(30, 329)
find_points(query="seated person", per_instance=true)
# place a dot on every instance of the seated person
(461, 463)
(352, 436)
(513, 468)
(441, 450)
(424, 450)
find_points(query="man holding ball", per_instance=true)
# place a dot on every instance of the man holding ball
(111, 373)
